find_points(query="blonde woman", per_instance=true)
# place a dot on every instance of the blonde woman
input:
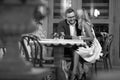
(86, 34)
(89, 52)
(39, 15)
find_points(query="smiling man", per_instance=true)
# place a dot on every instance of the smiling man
(69, 26)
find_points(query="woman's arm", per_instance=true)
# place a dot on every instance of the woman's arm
(88, 32)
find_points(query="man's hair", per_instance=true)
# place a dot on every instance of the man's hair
(69, 10)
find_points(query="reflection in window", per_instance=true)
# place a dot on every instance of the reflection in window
(60, 7)
(57, 9)
(66, 4)
(99, 27)
(100, 5)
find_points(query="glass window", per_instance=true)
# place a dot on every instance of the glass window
(57, 9)
(97, 8)
(101, 27)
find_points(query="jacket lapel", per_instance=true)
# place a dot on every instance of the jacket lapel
(67, 28)
(78, 31)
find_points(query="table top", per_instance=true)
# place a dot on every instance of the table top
(62, 42)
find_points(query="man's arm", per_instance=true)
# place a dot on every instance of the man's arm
(61, 28)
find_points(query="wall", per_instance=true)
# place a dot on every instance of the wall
(116, 30)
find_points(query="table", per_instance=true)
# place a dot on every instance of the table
(59, 45)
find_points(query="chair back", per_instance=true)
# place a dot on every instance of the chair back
(108, 42)
(35, 44)
(23, 47)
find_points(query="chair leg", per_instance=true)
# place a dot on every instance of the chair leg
(92, 68)
(110, 62)
(96, 67)
(33, 55)
(41, 60)
(107, 66)
(104, 63)
(36, 54)
(41, 57)
(83, 76)
(4, 50)
(25, 52)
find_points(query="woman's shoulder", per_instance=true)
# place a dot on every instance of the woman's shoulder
(86, 23)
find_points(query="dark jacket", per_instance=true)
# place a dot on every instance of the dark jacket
(63, 26)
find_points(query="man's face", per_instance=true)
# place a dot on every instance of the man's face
(71, 17)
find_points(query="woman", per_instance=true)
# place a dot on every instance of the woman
(86, 35)
(39, 14)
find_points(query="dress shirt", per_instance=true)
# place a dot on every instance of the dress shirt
(72, 29)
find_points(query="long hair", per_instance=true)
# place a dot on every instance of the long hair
(84, 16)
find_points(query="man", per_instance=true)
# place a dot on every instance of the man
(69, 26)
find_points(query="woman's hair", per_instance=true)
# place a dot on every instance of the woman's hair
(40, 12)
(84, 16)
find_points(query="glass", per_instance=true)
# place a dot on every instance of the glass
(59, 7)
(55, 35)
(62, 34)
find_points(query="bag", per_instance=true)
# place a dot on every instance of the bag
(92, 53)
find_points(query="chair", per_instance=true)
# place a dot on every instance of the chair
(105, 59)
(32, 55)
(36, 54)
(2, 52)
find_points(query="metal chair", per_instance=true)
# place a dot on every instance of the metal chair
(36, 51)
(33, 43)
(105, 59)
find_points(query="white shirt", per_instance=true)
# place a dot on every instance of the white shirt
(72, 30)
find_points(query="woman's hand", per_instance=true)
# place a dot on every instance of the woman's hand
(75, 37)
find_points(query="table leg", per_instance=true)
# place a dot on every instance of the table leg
(58, 56)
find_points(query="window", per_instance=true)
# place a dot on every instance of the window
(101, 27)
(57, 9)
(97, 7)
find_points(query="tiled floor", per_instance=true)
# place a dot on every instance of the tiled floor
(90, 73)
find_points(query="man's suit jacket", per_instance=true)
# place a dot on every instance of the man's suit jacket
(63, 26)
